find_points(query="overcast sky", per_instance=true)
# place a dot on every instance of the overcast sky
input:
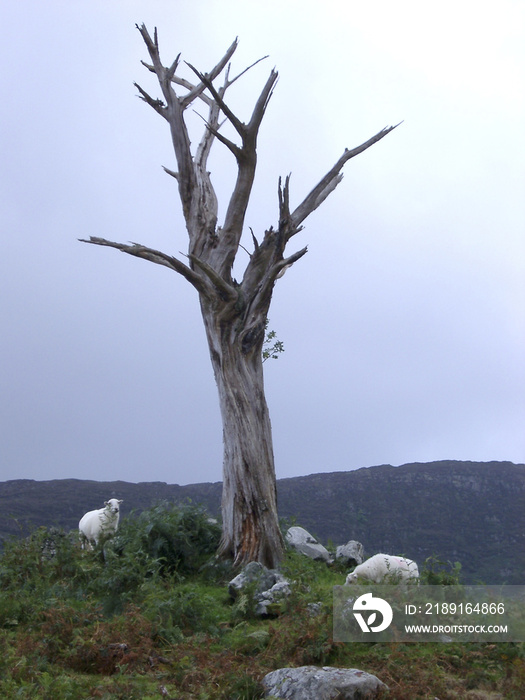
(403, 326)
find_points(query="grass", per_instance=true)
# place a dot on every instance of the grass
(148, 616)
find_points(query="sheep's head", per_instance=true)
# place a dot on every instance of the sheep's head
(113, 505)
(351, 578)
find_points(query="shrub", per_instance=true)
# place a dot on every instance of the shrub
(165, 542)
(47, 554)
(176, 537)
(35, 572)
(440, 573)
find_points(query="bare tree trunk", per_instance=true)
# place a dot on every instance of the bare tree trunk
(249, 503)
(234, 313)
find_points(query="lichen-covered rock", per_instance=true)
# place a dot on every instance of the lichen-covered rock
(302, 540)
(351, 553)
(326, 683)
(270, 587)
(256, 573)
(270, 599)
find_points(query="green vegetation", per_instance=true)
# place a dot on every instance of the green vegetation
(470, 511)
(147, 615)
(272, 347)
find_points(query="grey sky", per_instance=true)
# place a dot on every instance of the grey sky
(404, 326)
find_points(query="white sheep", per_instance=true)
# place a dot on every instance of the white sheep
(98, 523)
(384, 568)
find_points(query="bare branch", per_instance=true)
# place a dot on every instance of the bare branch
(235, 122)
(226, 291)
(186, 83)
(267, 263)
(331, 180)
(153, 48)
(171, 70)
(237, 152)
(158, 105)
(152, 255)
(259, 285)
(282, 266)
(262, 103)
(199, 89)
(255, 241)
(171, 172)
(148, 66)
(230, 82)
(194, 90)
(284, 202)
(153, 45)
(174, 115)
(204, 147)
(246, 161)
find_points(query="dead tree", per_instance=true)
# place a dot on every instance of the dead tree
(234, 313)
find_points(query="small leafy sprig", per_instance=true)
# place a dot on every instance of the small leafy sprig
(271, 350)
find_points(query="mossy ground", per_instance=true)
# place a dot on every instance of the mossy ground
(149, 617)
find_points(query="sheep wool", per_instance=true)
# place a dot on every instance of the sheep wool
(98, 523)
(382, 568)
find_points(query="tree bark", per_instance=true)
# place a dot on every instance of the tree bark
(234, 314)
(249, 500)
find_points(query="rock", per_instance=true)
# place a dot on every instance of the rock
(272, 597)
(270, 586)
(314, 609)
(327, 683)
(254, 572)
(279, 589)
(352, 553)
(302, 540)
(55, 537)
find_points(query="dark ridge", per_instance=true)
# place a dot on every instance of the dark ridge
(472, 512)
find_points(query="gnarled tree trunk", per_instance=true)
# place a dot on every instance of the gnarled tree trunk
(249, 504)
(234, 313)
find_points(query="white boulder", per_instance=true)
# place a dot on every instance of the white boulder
(301, 540)
(352, 553)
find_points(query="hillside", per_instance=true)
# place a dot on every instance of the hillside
(460, 511)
